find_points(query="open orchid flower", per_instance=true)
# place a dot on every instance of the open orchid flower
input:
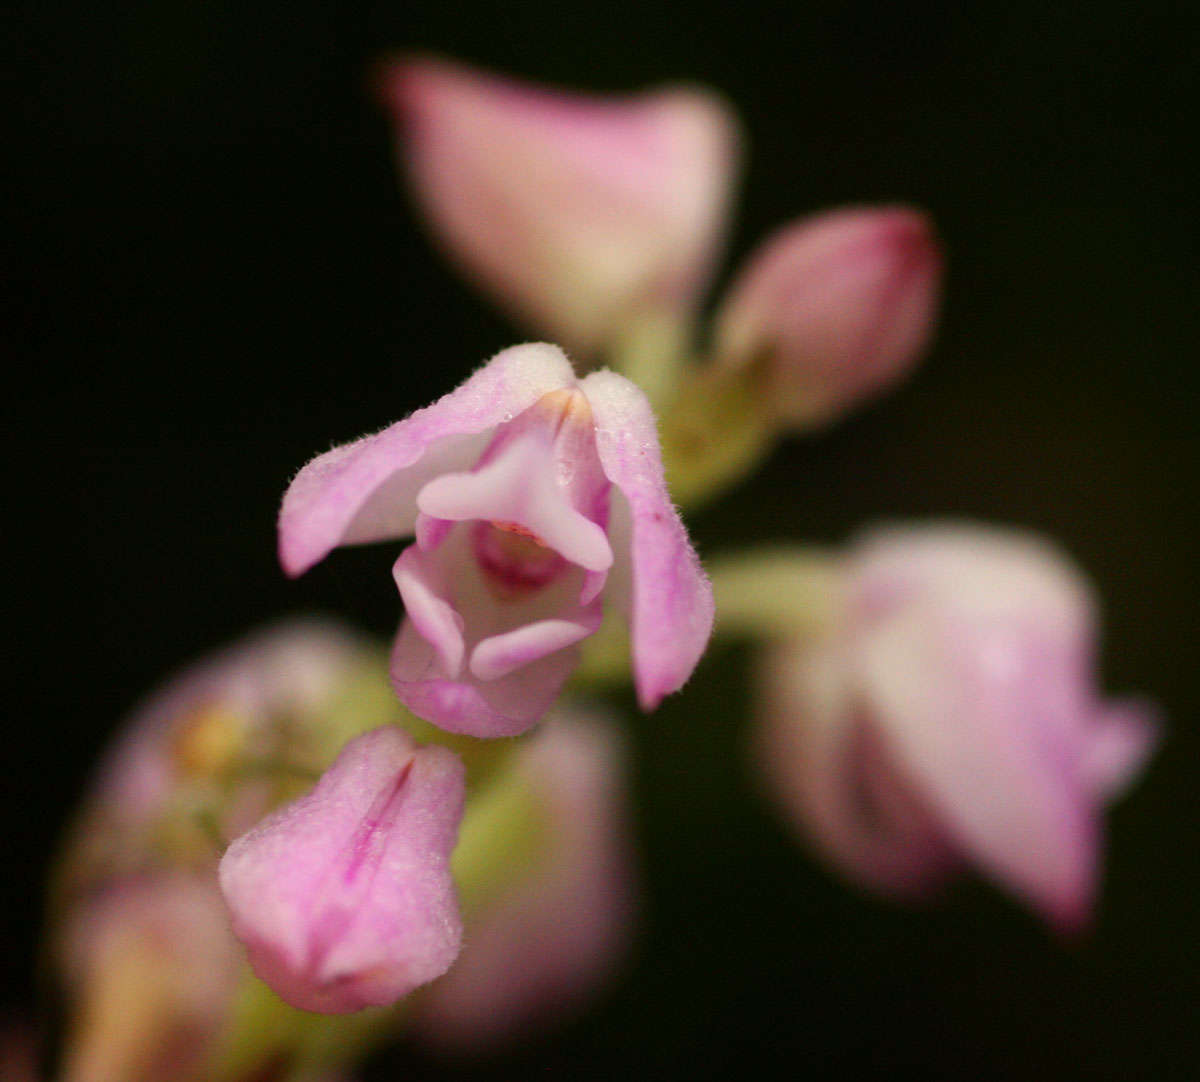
(949, 715)
(547, 942)
(578, 213)
(535, 499)
(344, 898)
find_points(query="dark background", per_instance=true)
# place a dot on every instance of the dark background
(213, 275)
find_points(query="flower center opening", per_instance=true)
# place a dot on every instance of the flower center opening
(514, 559)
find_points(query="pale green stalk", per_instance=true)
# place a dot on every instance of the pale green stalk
(775, 591)
(714, 432)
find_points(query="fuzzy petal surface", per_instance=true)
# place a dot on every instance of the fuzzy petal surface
(668, 597)
(366, 490)
(344, 898)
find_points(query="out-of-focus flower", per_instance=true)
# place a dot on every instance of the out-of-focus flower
(546, 943)
(344, 898)
(581, 214)
(213, 750)
(833, 309)
(947, 714)
(150, 971)
(536, 499)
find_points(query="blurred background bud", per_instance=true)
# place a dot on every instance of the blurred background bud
(343, 898)
(948, 714)
(218, 746)
(150, 972)
(545, 943)
(833, 309)
(580, 214)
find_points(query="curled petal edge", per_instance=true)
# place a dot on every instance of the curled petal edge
(668, 597)
(366, 490)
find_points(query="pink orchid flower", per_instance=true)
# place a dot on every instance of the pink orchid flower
(577, 213)
(550, 941)
(950, 716)
(536, 499)
(836, 308)
(344, 898)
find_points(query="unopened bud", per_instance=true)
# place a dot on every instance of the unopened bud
(834, 309)
(344, 898)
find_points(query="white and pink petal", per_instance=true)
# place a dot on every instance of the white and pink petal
(366, 490)
(667, 596)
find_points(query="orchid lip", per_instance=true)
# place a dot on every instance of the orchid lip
(519, 489)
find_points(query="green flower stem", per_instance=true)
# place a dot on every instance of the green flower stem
(264, 1028)
(652, 351)
(605, 660)
(714, 432)
(775, 591)
(502, 834)
(769, 592)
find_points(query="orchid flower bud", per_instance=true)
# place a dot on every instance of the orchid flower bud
(151, 972)
(833, 309)
(576, 213)
(948, 715)
(536, 500)
(344, 898)
(549, 940)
